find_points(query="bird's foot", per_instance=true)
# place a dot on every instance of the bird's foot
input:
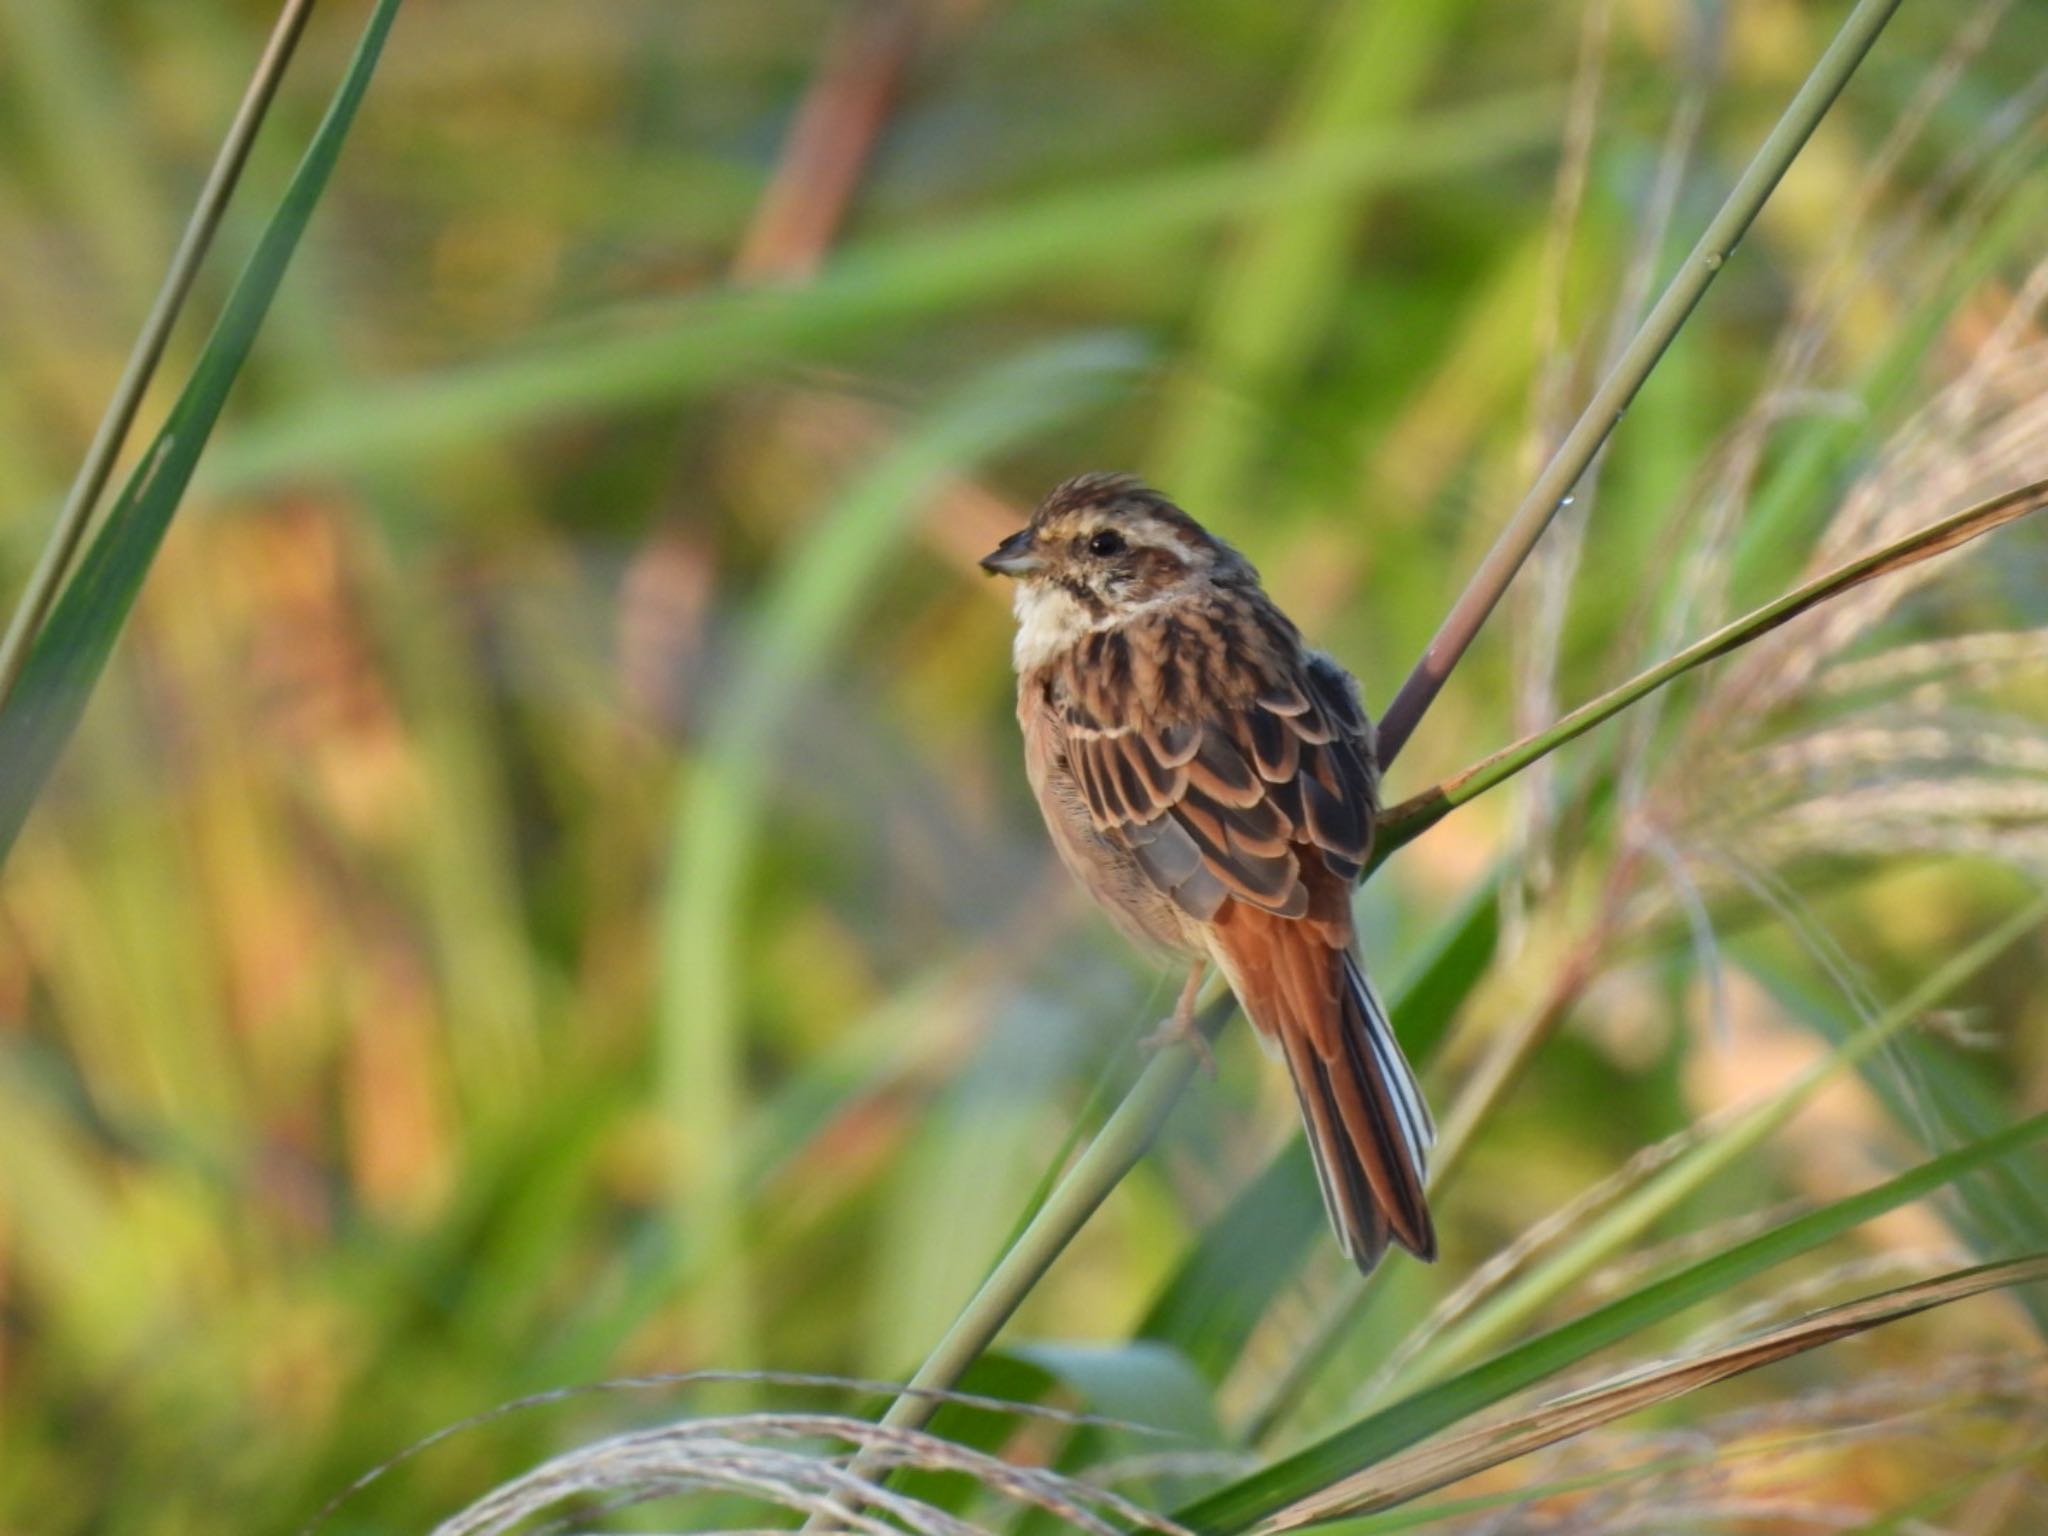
(1181, 1029)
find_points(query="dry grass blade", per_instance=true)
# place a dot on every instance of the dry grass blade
(776, 1458)
(1618, 1480)
(1458, 1456)
(1971, 657)
(1539, 1238)
(674, 1380)
(1418, 813)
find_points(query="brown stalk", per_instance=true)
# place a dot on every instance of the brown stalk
(831, 142)
(1611, 400)
(1402, 823)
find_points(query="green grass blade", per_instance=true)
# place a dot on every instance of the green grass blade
(1139, 1383)
(1412, 1420)
(1660, 327)
(47, 579)
(1271, 307)
(73, 648)
(1415, 1517)
(1135, 1383)
(1112, 1154)
(1637, 1387)
(723, 800)
(1609, 1235)
(674, 350)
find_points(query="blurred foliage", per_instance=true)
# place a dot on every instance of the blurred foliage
(546, 889)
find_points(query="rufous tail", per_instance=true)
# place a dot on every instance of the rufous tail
(1368, 1128)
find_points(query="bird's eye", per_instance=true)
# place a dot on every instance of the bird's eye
(1107, 542)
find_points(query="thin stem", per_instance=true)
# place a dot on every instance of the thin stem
(1403, 823)
(75, 517)
(1605, 410)
(1124, 1139)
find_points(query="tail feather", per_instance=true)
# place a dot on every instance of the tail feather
(1369, 1131)
(1368, 1128)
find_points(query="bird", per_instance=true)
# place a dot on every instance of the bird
(1212, 782)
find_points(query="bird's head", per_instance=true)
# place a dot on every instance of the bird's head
(1100, 548)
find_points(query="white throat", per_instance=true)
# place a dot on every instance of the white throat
(1049, 619)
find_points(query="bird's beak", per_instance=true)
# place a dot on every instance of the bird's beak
(1013, 557)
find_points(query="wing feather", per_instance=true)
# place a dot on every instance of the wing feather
(1276, 750)
(1221, 799)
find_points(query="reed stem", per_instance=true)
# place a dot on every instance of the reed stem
(75, 517)
(1551, 491)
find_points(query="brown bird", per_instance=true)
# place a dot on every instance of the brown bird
(1212, 782)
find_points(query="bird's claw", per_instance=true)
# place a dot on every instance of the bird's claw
(1182, 1030)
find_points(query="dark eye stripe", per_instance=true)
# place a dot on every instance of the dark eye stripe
(1083, 594)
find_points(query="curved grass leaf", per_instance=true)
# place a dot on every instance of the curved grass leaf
(73, 648)
(674, 349)
(1458, 1456)
(1140, 1383)
(101, 454)
(1413, 1517)
(1391, 1430)
(723, 799)
(1112, 1153)
(1605, 1238)
(1937, 1097)
(1140, 1400)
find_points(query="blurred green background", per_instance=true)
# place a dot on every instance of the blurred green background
(547, 888)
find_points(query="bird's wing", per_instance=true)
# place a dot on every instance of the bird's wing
(1252, 808)
(1222, 802)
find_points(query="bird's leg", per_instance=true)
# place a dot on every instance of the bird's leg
(1181, 1029)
